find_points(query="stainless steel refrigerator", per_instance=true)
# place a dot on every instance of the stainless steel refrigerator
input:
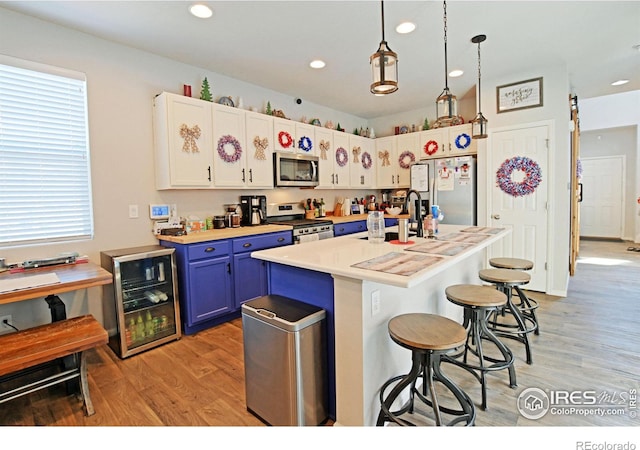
(450, 183)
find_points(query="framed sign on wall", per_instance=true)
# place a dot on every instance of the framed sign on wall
(520, 95)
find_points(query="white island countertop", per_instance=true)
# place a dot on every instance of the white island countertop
(337, 256)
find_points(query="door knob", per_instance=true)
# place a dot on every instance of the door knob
(496, 216)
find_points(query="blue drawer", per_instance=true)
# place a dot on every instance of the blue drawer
(259, 242)
(209, 249)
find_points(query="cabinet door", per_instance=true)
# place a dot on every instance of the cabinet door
(259, 168)
(183, 142)
(230, 155)
(284, 135)
(386, 165)
(250, 278)
(341, 153)
(362, 169)
(433, 143)
(407, 155)
(209, 289)
(324, 141)
(460, 141)
(306, 139)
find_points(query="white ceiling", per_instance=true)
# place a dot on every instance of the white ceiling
(270, 43)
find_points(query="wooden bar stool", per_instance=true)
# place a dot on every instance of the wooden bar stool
(505, 280)
(527, 305)
(478, 303)
(428, 336)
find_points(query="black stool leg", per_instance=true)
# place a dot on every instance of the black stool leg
(531, 310)
(521, 325)
(506, 353)
(406, 380)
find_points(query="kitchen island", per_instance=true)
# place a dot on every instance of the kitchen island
(392, 279)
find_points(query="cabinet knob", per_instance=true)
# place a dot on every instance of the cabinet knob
(209, 249)
(280, 239)
(247, 245)
(496, 216)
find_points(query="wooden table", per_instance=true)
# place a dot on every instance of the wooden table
(72, 277)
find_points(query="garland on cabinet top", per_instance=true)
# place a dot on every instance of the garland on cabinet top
(190, 135)
(532, 176)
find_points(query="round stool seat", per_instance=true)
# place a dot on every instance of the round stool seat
(511, 263)
(475, 296)
(426, 332)
(504, 276)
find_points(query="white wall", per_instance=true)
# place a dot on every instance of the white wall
(610, 112)
(121, 85)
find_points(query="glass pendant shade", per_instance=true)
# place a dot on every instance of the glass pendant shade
(384, 70)
(447, 109)
(479, 127)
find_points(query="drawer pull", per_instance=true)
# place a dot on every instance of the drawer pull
(247, 245)
(210, 249)
(280, 239)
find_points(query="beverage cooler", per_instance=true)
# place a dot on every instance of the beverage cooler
(143, 297)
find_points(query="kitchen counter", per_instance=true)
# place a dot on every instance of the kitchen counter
(360, 302)
(357, 217)
(224, 233)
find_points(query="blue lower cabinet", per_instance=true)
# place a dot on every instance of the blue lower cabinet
(349, 227)
(216, 277)
(390, 222)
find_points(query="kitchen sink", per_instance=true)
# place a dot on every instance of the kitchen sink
(390, 236)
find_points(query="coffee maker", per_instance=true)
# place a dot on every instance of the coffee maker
(254, 209)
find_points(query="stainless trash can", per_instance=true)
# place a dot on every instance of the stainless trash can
(285, 361)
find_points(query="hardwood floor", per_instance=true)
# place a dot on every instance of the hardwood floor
(589, 340)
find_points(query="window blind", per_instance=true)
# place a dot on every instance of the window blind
(45, 184)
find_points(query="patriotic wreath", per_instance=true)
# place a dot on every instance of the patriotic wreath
(430, 147)
(285, 139)
(531, 169)
(305, 144)
(402, 159)
(467, 141)
(237, 149)
(341, 156)
(366, 160)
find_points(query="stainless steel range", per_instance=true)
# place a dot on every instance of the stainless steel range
(304, 230)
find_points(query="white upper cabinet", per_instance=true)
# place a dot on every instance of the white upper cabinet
(362, 169)
(407, 154)
(448, 141)
(385, 161)
(259, 154)
(229, 140)
(333, 154)
(284, 134)
(183, 142)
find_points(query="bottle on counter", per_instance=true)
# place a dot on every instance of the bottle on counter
(323, 209)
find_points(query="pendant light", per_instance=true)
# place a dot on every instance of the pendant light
(479, 123)
(446, 104)
(384, 66)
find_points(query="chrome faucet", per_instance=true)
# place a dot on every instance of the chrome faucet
(418, 209)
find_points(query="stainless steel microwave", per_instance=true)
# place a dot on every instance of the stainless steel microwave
(295, 169)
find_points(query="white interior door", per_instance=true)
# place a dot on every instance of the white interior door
(602, 197)
(526, 215)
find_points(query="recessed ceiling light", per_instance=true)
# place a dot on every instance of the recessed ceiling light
(201, 11)
(619, 82)
(456, 73)
(405, 27)
(317, 64)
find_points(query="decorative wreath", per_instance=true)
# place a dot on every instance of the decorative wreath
(430, 147)
(305, 144)
(285, 139)
(533, 176)
(366, 160)
(237, 149)
(467, 141)
(402, 159)
(342, 158)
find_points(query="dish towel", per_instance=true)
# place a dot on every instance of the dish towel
(309, 238)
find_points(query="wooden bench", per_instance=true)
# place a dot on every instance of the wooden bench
(42, 344)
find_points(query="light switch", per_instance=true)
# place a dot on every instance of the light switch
(133, 211)
(375, 302)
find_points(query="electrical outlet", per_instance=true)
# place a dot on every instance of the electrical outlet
(4, 326)
(375, 302)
